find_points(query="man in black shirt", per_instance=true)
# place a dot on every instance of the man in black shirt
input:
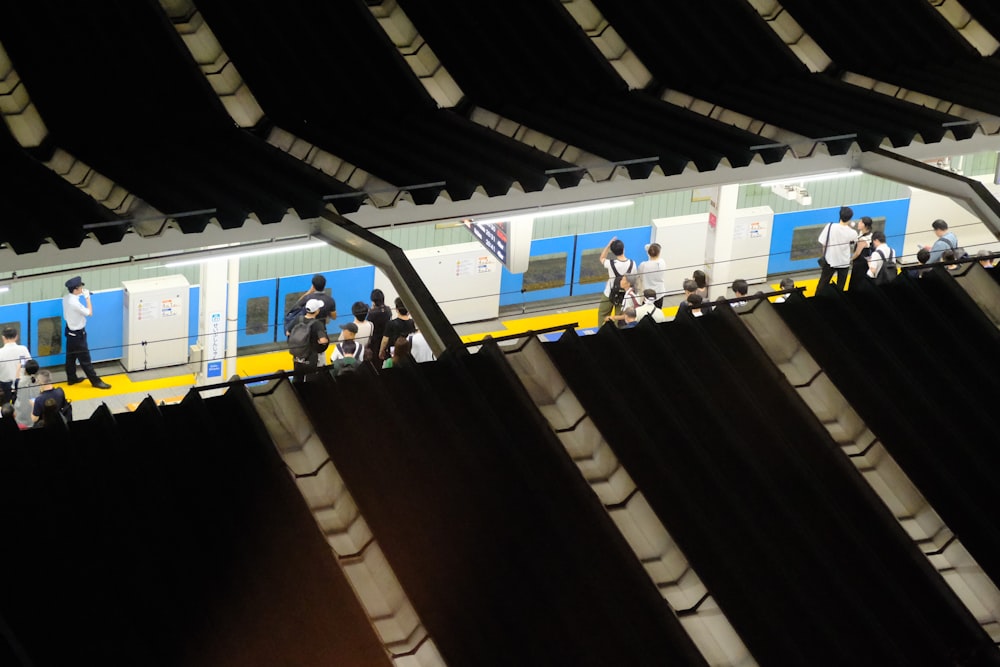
(327, 312)
(305, 360)
(401, 326)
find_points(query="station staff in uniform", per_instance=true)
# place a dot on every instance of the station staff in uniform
(75, 316)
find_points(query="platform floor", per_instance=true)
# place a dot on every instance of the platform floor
(128, 389)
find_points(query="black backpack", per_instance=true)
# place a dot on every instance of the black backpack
(958, 250)
(889, 269)
(617, 295)
(292, 316)
(300, 338)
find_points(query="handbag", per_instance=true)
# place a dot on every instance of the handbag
(823, 264)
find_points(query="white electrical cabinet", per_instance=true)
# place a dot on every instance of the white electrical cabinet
(155, 322)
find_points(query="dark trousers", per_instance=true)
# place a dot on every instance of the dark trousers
(304, 370)
(77, 350)
(826, 273)
(6, 392)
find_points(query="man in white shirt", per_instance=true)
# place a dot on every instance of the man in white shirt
(420, 349)
(785, 284)
(12, 359)
(617, 266)
(648, 307)
(838, 240)
(75, 316)
(881, 252)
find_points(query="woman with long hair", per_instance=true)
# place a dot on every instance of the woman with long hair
(862, 250)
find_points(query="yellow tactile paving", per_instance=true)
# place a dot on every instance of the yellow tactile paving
(280, 361)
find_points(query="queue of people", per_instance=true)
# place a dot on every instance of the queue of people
(374, 335)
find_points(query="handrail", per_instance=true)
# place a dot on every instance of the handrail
(951, 540)
(693, 609)
(524, 334)
(809, 382)
(575, 424)
(622, 504)
(867, 449)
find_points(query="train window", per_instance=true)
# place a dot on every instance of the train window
(292, 299)
(805, 240)
(545, 272)
(591, 270)
(878, 224)
(257, 312)
(805, 244)
(49, 336)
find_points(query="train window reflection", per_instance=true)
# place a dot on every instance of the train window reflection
(49, 336)
(805, 240)
(591, 270)
(545, 272)
(292, 299)
(257, 315)
(805, 243)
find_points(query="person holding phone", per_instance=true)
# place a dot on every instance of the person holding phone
(75, 315)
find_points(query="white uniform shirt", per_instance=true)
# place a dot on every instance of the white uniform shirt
(840, 246)
(12, 358)
(74, 312)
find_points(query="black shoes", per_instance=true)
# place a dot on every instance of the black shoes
(73, 381)
(100, 384)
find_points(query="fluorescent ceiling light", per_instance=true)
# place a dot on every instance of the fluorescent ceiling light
(809, 179)
(552, 212)
(4, 288)
(247, 253)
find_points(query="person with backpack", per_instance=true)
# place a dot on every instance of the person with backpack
(882, 261)
(307, 339)
(346, 363)
(317, 290)
(945, 241)
(617, 266)
(837, 240)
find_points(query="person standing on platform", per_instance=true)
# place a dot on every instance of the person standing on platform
(862, 251)
(653, 272)
(837, 240)
(401, 326)
(945, 241)
(27, 391)
(317, 290)
(307, 341)
(75, 315)
(13, 356)
(379, 315)
(617, 266)
(49, 392)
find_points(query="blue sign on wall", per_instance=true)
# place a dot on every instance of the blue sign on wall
(214, 369)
